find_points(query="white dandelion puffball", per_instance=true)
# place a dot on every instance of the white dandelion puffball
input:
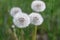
(36, 18)
(21, 20)
(14, 11)
(38, 6)
(13, 26)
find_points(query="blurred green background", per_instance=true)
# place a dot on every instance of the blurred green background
(50, 26)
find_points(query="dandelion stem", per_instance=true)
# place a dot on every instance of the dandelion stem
(14, 30)
(34, 33)
(22, 34)
(15, 35)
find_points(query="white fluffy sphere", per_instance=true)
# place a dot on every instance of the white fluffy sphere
(14, 11)
(21, 20)
(13, 26)
(36, 18)
(38, 6)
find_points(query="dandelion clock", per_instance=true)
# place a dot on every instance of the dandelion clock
(38, 6)
(21, 20)
(36, 18)
(15, 10)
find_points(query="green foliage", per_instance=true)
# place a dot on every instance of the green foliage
(51, 18)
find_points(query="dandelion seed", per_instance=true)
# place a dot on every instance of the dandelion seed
(21, 20)
(38, 6)
(36, 18)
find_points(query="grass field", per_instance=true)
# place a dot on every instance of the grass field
(51, 16)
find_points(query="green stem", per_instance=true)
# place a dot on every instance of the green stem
(34, 33)
(15, 34)
(22, 34)
(14, 30)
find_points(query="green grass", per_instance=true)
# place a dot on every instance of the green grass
(51, 18)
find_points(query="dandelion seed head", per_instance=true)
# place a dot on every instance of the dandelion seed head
(38, 6)
(15, 10)
(36, 18)
(13, 26)
(21, 20)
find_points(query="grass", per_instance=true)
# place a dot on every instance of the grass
(51, 17)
